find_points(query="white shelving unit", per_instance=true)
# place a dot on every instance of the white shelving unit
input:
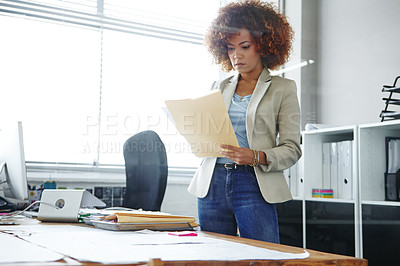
(368, 169)
(372, 162)
(372, 165)
(313, 160)
(313, 172)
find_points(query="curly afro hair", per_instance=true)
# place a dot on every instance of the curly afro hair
(270, 29)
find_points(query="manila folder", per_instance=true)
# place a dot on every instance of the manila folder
(123, 217)
(204, 122)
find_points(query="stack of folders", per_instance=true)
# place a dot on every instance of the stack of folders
(337, 169)
(392, 174)
(146, 220)
(322, 193)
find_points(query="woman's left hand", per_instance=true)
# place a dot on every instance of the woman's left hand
(239, 155)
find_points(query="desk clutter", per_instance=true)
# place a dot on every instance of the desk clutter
(132, 220)
(79, 205)
(68, 205)
(81, 244)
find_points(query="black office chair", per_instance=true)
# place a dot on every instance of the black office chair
(146, 171)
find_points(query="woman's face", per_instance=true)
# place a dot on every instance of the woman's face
(242, 53)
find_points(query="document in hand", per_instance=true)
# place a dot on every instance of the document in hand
(204, 122)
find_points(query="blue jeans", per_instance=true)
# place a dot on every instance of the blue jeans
(234, 203)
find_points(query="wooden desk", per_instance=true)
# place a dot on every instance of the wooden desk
(315, 258)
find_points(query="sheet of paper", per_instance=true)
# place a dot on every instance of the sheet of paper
(95, 245)
(19, 251)
(204, 122)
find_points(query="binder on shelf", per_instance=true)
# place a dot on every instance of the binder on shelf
(294, 170)
(326, 165)
(392, 174)
(345, 170)
(392, 186)
(291, 176)
(300, 177)
(334, 168)
(286, 174)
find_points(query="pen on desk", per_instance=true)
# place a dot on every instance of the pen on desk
(183, 233)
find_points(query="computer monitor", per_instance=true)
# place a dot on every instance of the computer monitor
(13, 178)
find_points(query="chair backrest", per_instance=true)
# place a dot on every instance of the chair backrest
(146, 171)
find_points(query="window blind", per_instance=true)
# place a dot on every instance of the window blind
(115, 15)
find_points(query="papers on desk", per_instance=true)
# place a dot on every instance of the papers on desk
(139, 220)
(149, 220)
(15, 250)
(103, 246)
(126, 217)
(204, 122)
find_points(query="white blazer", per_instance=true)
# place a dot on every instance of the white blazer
(273, 109)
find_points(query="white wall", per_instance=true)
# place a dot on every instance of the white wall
(358, 51)
(355, 46)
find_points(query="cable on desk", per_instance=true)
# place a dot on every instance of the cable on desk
(21, 212)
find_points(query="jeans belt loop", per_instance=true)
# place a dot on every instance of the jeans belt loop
(230, 166)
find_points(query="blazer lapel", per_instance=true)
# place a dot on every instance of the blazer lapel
(261, 88)
(229, 90)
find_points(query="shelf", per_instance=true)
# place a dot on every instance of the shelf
(382, 203)
(331, 130)
(366, 207)
(372, 158)
(297, 198)
(330, 200)
(385, 125)
(315, 175)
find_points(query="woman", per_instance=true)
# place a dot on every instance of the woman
(237, 191)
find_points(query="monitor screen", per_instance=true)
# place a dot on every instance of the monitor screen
(12, 162)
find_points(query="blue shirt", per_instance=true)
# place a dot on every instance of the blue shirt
(237, 114)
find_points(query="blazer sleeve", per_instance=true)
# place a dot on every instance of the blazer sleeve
(288, 150)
